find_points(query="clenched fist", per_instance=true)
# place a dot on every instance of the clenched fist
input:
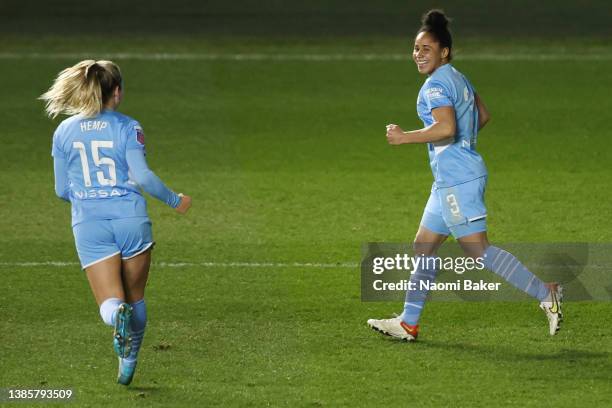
(395, 135)
(184, 205)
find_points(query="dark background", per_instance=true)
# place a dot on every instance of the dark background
(515, 18)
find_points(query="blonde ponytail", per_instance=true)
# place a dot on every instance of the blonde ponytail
(84, 88)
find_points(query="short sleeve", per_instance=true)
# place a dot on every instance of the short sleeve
(56, 148)
(135, 137)
(436, 95)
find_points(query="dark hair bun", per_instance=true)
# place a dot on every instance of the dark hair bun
(435, 19)
(93, 69)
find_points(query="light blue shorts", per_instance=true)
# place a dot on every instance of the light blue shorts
(458, 210)
(101, 239)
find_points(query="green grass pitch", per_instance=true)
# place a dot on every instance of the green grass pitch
(287, 163)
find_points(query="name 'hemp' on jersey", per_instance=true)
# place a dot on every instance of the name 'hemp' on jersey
(94, 150)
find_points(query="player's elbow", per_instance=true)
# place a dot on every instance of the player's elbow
(144, 178)
(443, 129)
(452, 129)
(147, 180)
(447, 130)
(485, 118)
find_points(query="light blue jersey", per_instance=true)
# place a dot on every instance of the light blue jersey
(92, 153)
(455, 162)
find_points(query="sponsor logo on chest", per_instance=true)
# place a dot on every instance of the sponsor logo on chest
(99, 193)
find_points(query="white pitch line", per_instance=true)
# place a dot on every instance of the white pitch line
(314, 57)
(205, 264)
(278, 265)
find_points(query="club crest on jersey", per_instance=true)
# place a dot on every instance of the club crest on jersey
(139, 135)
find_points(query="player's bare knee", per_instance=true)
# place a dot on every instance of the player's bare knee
(424, 248)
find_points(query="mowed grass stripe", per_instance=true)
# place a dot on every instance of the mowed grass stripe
(213, 264)
(202, 264)
(322, 57)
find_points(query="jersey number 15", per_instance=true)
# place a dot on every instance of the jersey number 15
(96, 145)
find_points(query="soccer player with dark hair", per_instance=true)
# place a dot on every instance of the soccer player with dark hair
(453, 113)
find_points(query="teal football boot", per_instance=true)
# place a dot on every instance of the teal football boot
(122, 337)
(126, 371)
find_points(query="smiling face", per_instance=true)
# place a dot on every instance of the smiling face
(427, 53)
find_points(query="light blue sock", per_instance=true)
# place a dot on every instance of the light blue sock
(415, 299)
(137, 326)
(504, 264)
(108, 309)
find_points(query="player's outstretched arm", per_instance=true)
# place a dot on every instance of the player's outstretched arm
(61, 178)
(152, 184)
(483, 113)
(444, 127)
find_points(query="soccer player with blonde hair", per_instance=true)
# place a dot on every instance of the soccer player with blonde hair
(100, 168)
